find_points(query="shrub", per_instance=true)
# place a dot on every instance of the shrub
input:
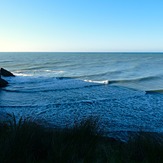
(26, 141)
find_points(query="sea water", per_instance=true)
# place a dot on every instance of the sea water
(123, 90)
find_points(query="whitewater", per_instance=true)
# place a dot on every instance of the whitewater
(124, 90)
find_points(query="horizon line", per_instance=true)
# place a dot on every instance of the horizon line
(81, 51)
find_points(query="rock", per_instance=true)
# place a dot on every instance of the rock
(3, 83)
(6, 73)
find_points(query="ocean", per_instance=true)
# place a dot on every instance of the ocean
(123, 90)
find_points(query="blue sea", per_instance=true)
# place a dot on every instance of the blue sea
(124, 90)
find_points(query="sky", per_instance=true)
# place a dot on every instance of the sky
(81, 25)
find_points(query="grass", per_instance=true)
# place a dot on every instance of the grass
(25, 141)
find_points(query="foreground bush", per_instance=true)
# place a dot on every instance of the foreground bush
(25, 141)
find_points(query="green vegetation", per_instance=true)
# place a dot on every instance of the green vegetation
(26, 141)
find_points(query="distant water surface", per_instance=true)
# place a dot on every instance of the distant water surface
(137, 70)
(123, 89)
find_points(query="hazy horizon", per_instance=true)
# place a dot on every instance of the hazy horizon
(81, 51)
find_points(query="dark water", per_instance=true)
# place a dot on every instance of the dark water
(123, 89)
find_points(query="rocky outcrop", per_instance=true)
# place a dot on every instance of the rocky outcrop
(3, 83)
(6, 73)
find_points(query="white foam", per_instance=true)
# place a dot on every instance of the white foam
(100, 82)
(54, 71)
(61, 100)
(22, 74)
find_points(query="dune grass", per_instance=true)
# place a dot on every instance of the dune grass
(26, 141)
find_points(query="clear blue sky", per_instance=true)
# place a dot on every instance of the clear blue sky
(81, 25)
